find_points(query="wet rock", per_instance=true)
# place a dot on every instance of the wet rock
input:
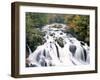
(72, 49)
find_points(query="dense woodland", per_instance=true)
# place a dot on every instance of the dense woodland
(78, 26)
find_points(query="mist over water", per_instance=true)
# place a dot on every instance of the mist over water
(59, 49)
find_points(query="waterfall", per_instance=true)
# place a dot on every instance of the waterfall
(60, 49)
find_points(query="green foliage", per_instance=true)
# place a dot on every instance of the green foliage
(34, 22)
(35, 19)
(34, 38)
(79, 25)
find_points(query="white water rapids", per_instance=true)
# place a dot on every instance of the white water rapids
(59, 49)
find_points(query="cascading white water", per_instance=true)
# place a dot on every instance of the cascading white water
(60, 49)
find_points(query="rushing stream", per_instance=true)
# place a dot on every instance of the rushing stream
(59, 49)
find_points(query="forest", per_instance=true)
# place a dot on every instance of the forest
(78, 26)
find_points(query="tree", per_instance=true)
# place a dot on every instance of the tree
(34, 36)
(79, 24)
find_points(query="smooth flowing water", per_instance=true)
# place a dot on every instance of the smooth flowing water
(59, 49)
